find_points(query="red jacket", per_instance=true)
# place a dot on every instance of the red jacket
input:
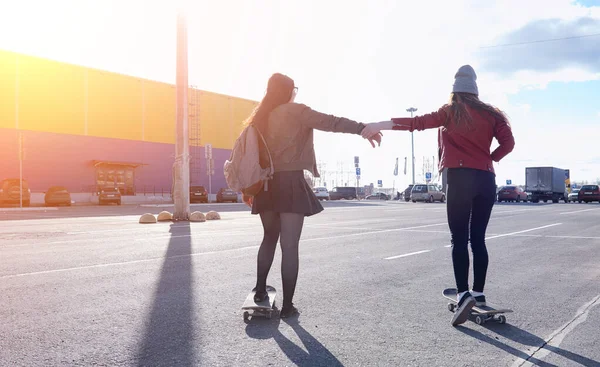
(461, 146)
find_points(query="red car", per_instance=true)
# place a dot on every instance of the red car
(511, 193)
(589, 193)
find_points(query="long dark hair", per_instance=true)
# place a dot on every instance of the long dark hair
(459, 116)
(279, 91)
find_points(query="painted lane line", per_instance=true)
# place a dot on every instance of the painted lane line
(371, 232)
(579, 211)
(127, 262)
(197, 254)
(524, 231)
(556, 338)
(560, 237)
(519, 233)
(405, 255)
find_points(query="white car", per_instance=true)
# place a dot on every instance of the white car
(321, 193)
(574, 196)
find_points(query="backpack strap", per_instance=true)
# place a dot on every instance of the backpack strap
(272, 168)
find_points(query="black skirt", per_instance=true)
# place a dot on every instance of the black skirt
(287, 192)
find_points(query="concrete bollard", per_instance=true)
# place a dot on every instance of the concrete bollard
(147, 218)
(197, 217)
(212, 215)
(165, 216)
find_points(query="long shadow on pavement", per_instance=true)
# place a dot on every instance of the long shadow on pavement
(316, 355)
(526, 338)
(169, 335)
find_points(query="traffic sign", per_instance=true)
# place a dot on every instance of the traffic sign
(356, 161)
(379, 183)
(358, 171)
(509, 182)
(428, 176)
(208, 151)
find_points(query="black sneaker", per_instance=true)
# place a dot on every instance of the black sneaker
(260, 296)
(463, 309)
(480, 301)
(288, 311)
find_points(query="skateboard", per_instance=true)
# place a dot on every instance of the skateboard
(481, 314)
(264, 308)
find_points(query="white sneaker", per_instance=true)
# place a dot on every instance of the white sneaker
(463, 308)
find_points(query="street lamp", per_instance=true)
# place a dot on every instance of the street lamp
(412, 142)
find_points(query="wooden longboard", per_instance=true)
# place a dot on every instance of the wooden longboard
(264, 308)
(481, 314)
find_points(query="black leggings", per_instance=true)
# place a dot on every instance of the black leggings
(288, 226)
(471, 196)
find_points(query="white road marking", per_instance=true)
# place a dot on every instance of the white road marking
(126, 262)
(405, 255)
(371, 232)
(27, 209)
(524, 231)
(579, 211)
(559, 334)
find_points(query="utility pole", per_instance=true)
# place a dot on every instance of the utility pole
(412, 143)
(181, 190)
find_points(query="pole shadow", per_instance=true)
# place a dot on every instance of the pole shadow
(169, 330)
(316, 355)
(525, 338)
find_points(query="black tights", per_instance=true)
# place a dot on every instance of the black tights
(471, 196)
(288, 226)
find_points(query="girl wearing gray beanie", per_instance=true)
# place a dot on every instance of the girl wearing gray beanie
(467, 127)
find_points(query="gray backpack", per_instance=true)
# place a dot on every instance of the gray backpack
(243, 171)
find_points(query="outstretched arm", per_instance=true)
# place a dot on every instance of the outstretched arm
(331, 123)
(428, 121)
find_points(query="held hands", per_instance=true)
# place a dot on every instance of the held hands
(373, 130)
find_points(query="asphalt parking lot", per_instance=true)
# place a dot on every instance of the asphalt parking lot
(87, 286)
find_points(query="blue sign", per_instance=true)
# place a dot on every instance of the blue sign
(428, 176)
(358, 171)
(509, 182)
(380, 183)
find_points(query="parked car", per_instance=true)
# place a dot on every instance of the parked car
(589, 193)
(511, 193)
(57, 195)
(109, 195)
(198, 194)
(321, 193)
(574, 196)
(378, 196)
(224, 195)
(428, 193)
(343, 192)
(10, 192)
(407, 192)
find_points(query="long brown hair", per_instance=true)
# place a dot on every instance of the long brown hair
(279, 91)
(458, 114)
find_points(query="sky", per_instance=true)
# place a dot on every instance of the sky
(368, 61)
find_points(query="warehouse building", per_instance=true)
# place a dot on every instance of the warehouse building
(84, 128)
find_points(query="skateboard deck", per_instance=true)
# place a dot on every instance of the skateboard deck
(263, 309)
(481, 314)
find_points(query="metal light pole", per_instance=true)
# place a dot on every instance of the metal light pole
(412, 143)
(181, 189)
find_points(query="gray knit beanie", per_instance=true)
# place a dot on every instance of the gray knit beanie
(465, 80)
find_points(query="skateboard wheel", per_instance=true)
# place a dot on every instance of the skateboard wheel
(502, 319)
(451, 307)
(246, 315)
(479, 320)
